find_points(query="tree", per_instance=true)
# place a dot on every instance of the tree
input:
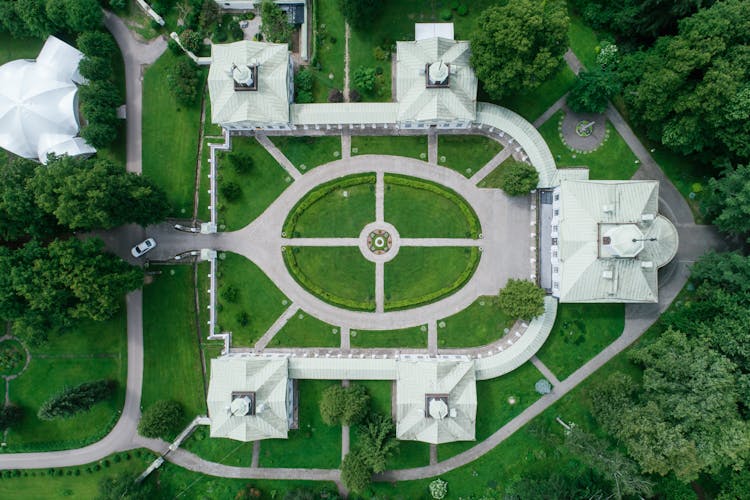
(99, 134)
(592, 91)
(191, 40)
(521, 299)
(184, 81)
(378, 441)
(210, 15)
(303, 83)
(161, 420)
(355, 473)
(518, 178)
(9, 416)
(275, 26)
(359, 13)
(96, 44)
(34, 15)
(556, 484)
(516, 46)
(364, 79)
(83, 15)
(11, 22)
(241, 162)
(95, 68)
(73, 400)
(20, 217)
(344, 405)
(124, 487)
(86, 194)
(231, 191)
(727, 203)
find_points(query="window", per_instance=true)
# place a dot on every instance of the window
(557, 197)
(555, 269)
(554, 254)
(557, 211)
(554, 241)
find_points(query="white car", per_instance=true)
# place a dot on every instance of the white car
(143, 247)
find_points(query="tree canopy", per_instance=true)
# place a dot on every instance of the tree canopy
(344, 405)
(161, 420)
(518, 45)
(592, 91)
(359, 13)
(518, 178)
(521, 299)
(727, 203)
(275, 25)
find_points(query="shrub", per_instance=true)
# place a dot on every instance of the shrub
(354, 96)
(438, 489)
(99, 135)
(344, 405)
(521, 299)
(241, 162)
(230, 294)
(304, 96)
(355, 473)
(9, 416)
(462, 10)
(191, 40)
(161, 420)
(381, 54)
(303, 80)
(183, 80)
(335, 95)
(235, 30)
(364, 78)
(73, 400)
(446, 14)
(231, 191)
(518, 178)
(95, 68)
(243, 318)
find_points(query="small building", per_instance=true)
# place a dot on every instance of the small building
(608, 241)
(39, 104)
(251, 85)
(250, 398)
(436, 401)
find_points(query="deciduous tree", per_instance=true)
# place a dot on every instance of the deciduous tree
(521, 299)
(161, 420)
(275, 25)
(518, 178)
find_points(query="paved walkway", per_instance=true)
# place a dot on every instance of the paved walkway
(432, 146)
(346, 144)
(276, 327)
(557, 106)
(278, 156)
(491, 165)
(545, 371)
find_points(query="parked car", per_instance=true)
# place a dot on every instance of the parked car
(145, 246)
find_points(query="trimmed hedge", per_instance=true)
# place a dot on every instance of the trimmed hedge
(471, 216)
(319, 192)
(443, 292)
(293, 267)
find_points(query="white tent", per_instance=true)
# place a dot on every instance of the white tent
(39, 101)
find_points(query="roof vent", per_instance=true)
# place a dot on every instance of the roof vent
(648, 217)
(437, 75)
(245, 77)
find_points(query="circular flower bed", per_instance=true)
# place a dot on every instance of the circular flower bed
(379, 241)
(584, 128)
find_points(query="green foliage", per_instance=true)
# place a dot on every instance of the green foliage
(592, 91)
(518, 178)
(364, 79)
(231, 191)
(191, 40)
(210, 15)
(344, 405)
(73, 400)
(727, 203)
(125, 487)
(161, 419)
(96, 44)
(359, 13)
(19, 215)
(83, 15)
(230, 293)
(95, 68)
(462, 10)
(99, 134)
(275, 26)
(34, 15)
(446, 14)
(518, 45)
(438, 489)
(608, 55)
(560, 484)
(10, 416)
(683, 417)
(521, 299)
(692, 91)
(241, 161)
(184, 81)
(355, 473)
(303, 84)
(378, 442)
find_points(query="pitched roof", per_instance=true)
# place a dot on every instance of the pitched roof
(262, 380)
(416, 101)
(270, 103)
(436, 401)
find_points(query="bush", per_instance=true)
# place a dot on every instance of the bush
(95, 68)
(364, 78)
(355, 472)
(462, 10)
(99, 135)
(161, 420)
(521, 299)
(230, 294)
(243, 318)
(73, 400)
(446, 14)
(183, 81)
(235, 30)
(10, 416)
(303, 80)
(381, 54)
(518, 178)
(304, 96)
(335, 95)
(438, 489)
(231, 191)
(241, 162)
(191, 40)
(354, 96)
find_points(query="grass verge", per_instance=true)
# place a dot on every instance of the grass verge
(415, 337)
(411, 146)
(466, 154)
(479, 324)
(303, 330)
(308, 152)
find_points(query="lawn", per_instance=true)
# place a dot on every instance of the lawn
(340, 208)
(466, 154)
(493, 179)
(583, 41)
(330, 43)
(612, 161)
(259, 187)
(93, 351)
(479, 324)
(581, 331)
(338, 275)
(314, 444)
(169, 330)
(219, 450)
(495, 409)
(303, 330)
(420, 209)
(170, 138)
(258, 303)
(18, 48)
(308, 152)
(420, 275)
(408, 337)
(410, 146)
(531, 104)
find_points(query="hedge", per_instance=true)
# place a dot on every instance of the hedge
(319, 192)
(471, 216)
(443, 292)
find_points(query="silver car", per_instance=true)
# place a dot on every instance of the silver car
(143, 247)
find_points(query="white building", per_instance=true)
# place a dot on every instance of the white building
(39, 104)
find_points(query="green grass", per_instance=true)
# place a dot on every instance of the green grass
(258, 297)
(92, 351)
(170, 138)
(260, 186)
(420, 275)
(494, 409)
(72, 482)
(581, 331)
(338, 275)
(210, 129)
(424, 213)
(411, 146)
(330, 55)
(531, 104)
(493, 180)
(612, 161)
(219, 450)
(342, 212)
(309, 151)
(303, 330)
(583, 41)
(171, 364)
(18, 48)
(407, 337)
(314, 444)
(479, 324)
(466, 154)
(361, 45)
